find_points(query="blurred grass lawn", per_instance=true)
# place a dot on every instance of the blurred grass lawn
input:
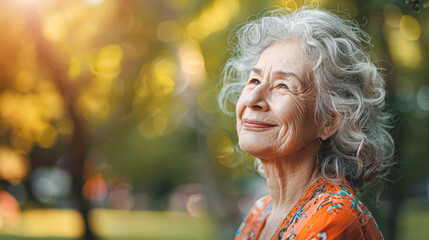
(137, 225)
(55, 224)
(414, 222)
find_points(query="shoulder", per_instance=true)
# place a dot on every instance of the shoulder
(338, 214)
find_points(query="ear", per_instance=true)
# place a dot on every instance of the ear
(330, 128)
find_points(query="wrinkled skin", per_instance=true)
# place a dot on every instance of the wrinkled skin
(276, 123)
(281, 94)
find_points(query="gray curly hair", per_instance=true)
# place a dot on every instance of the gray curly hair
(348, 83)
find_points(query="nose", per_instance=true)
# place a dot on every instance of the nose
(256, 99)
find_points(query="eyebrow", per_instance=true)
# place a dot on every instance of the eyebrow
(278, 73)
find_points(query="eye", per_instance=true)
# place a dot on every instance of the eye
(254, 81)
(281, 85)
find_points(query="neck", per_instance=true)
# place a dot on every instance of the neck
(289, 177)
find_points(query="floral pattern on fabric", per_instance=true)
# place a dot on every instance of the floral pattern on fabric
(326, 211)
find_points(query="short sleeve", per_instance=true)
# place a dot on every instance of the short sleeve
(330, 224)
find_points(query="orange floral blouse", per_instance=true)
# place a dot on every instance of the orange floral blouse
(326, 211)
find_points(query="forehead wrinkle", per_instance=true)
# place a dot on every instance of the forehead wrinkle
(257, 71)
(262, 72)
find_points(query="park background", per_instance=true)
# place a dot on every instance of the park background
(109, 127)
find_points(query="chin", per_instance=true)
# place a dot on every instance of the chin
(253, 148)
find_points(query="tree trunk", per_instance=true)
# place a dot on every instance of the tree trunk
(58, 67)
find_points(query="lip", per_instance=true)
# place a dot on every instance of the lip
(254, 124)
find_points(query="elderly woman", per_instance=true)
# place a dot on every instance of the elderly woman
(311, 110)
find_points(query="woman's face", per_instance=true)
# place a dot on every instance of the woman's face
(275, 112)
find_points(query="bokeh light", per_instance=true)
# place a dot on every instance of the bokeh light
(108, 114)
(192, 63)
(392, 15)
(423, 98)
(50, 185)
(213, 18)
(13, 165)
(10, 211)
(96, 188)
(404, 52)
(410, 27)
(121, 195)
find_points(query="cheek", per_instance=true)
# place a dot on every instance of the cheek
(295, 115)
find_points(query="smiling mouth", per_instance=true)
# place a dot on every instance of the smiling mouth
(257, 125)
